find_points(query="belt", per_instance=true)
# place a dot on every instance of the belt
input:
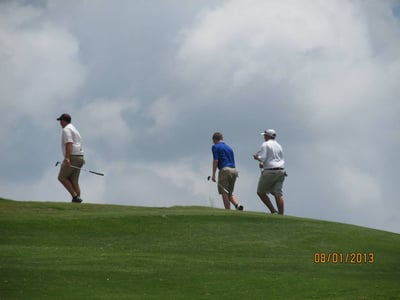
(274, 169)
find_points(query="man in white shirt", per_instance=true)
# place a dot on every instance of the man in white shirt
(73, 158)
(273, 173)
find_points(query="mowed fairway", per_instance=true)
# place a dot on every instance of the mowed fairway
(87, 251)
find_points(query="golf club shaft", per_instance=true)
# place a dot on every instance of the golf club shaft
(225, 190)
(75, 167)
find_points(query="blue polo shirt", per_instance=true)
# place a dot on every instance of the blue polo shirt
(224, 154)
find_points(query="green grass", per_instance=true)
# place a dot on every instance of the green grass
(87, 251)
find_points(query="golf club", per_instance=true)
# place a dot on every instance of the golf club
(225, 190)
(93, 172)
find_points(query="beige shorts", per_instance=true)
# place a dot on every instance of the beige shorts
(70, 173)
(271, 181)
(226, 180)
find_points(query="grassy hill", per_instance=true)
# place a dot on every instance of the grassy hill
(87, 251)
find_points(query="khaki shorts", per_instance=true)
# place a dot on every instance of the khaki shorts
(271, 181)
(72, 173)
(226, 180)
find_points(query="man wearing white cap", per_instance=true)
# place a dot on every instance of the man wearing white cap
(273, 171)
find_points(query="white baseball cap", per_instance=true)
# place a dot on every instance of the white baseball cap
(269, 132)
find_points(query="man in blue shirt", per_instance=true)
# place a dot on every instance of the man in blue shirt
(224, 161)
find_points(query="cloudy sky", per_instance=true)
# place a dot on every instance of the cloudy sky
(148, 82)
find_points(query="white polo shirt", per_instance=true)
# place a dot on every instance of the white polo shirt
(71, 135)
(271, 154)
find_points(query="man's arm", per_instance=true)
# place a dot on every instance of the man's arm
(214, 169)
(68, 149)
(257, 156)
(261, 155)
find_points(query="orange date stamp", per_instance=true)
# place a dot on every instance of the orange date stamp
(344, 258)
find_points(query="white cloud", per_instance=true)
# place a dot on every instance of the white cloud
(270, 40)
(104, 119)
(321, 55)
(357, 188)
(164, 113)
(39, 63)
(40, 72)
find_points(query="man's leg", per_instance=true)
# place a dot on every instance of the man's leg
(279, 204)
(77, 188)
(233, 175)
(265, 199)
(65, 177)
(68, 185)
(77, 161)
(225, 199)
(277, 192)
(74, 179)
(262, 190)
(233, 200)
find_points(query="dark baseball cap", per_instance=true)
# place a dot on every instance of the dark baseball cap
(64, 117)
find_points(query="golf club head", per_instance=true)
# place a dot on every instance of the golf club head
(208, 178)
(57, 163)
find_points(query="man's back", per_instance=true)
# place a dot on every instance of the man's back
(224, 154)
(274, 155)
